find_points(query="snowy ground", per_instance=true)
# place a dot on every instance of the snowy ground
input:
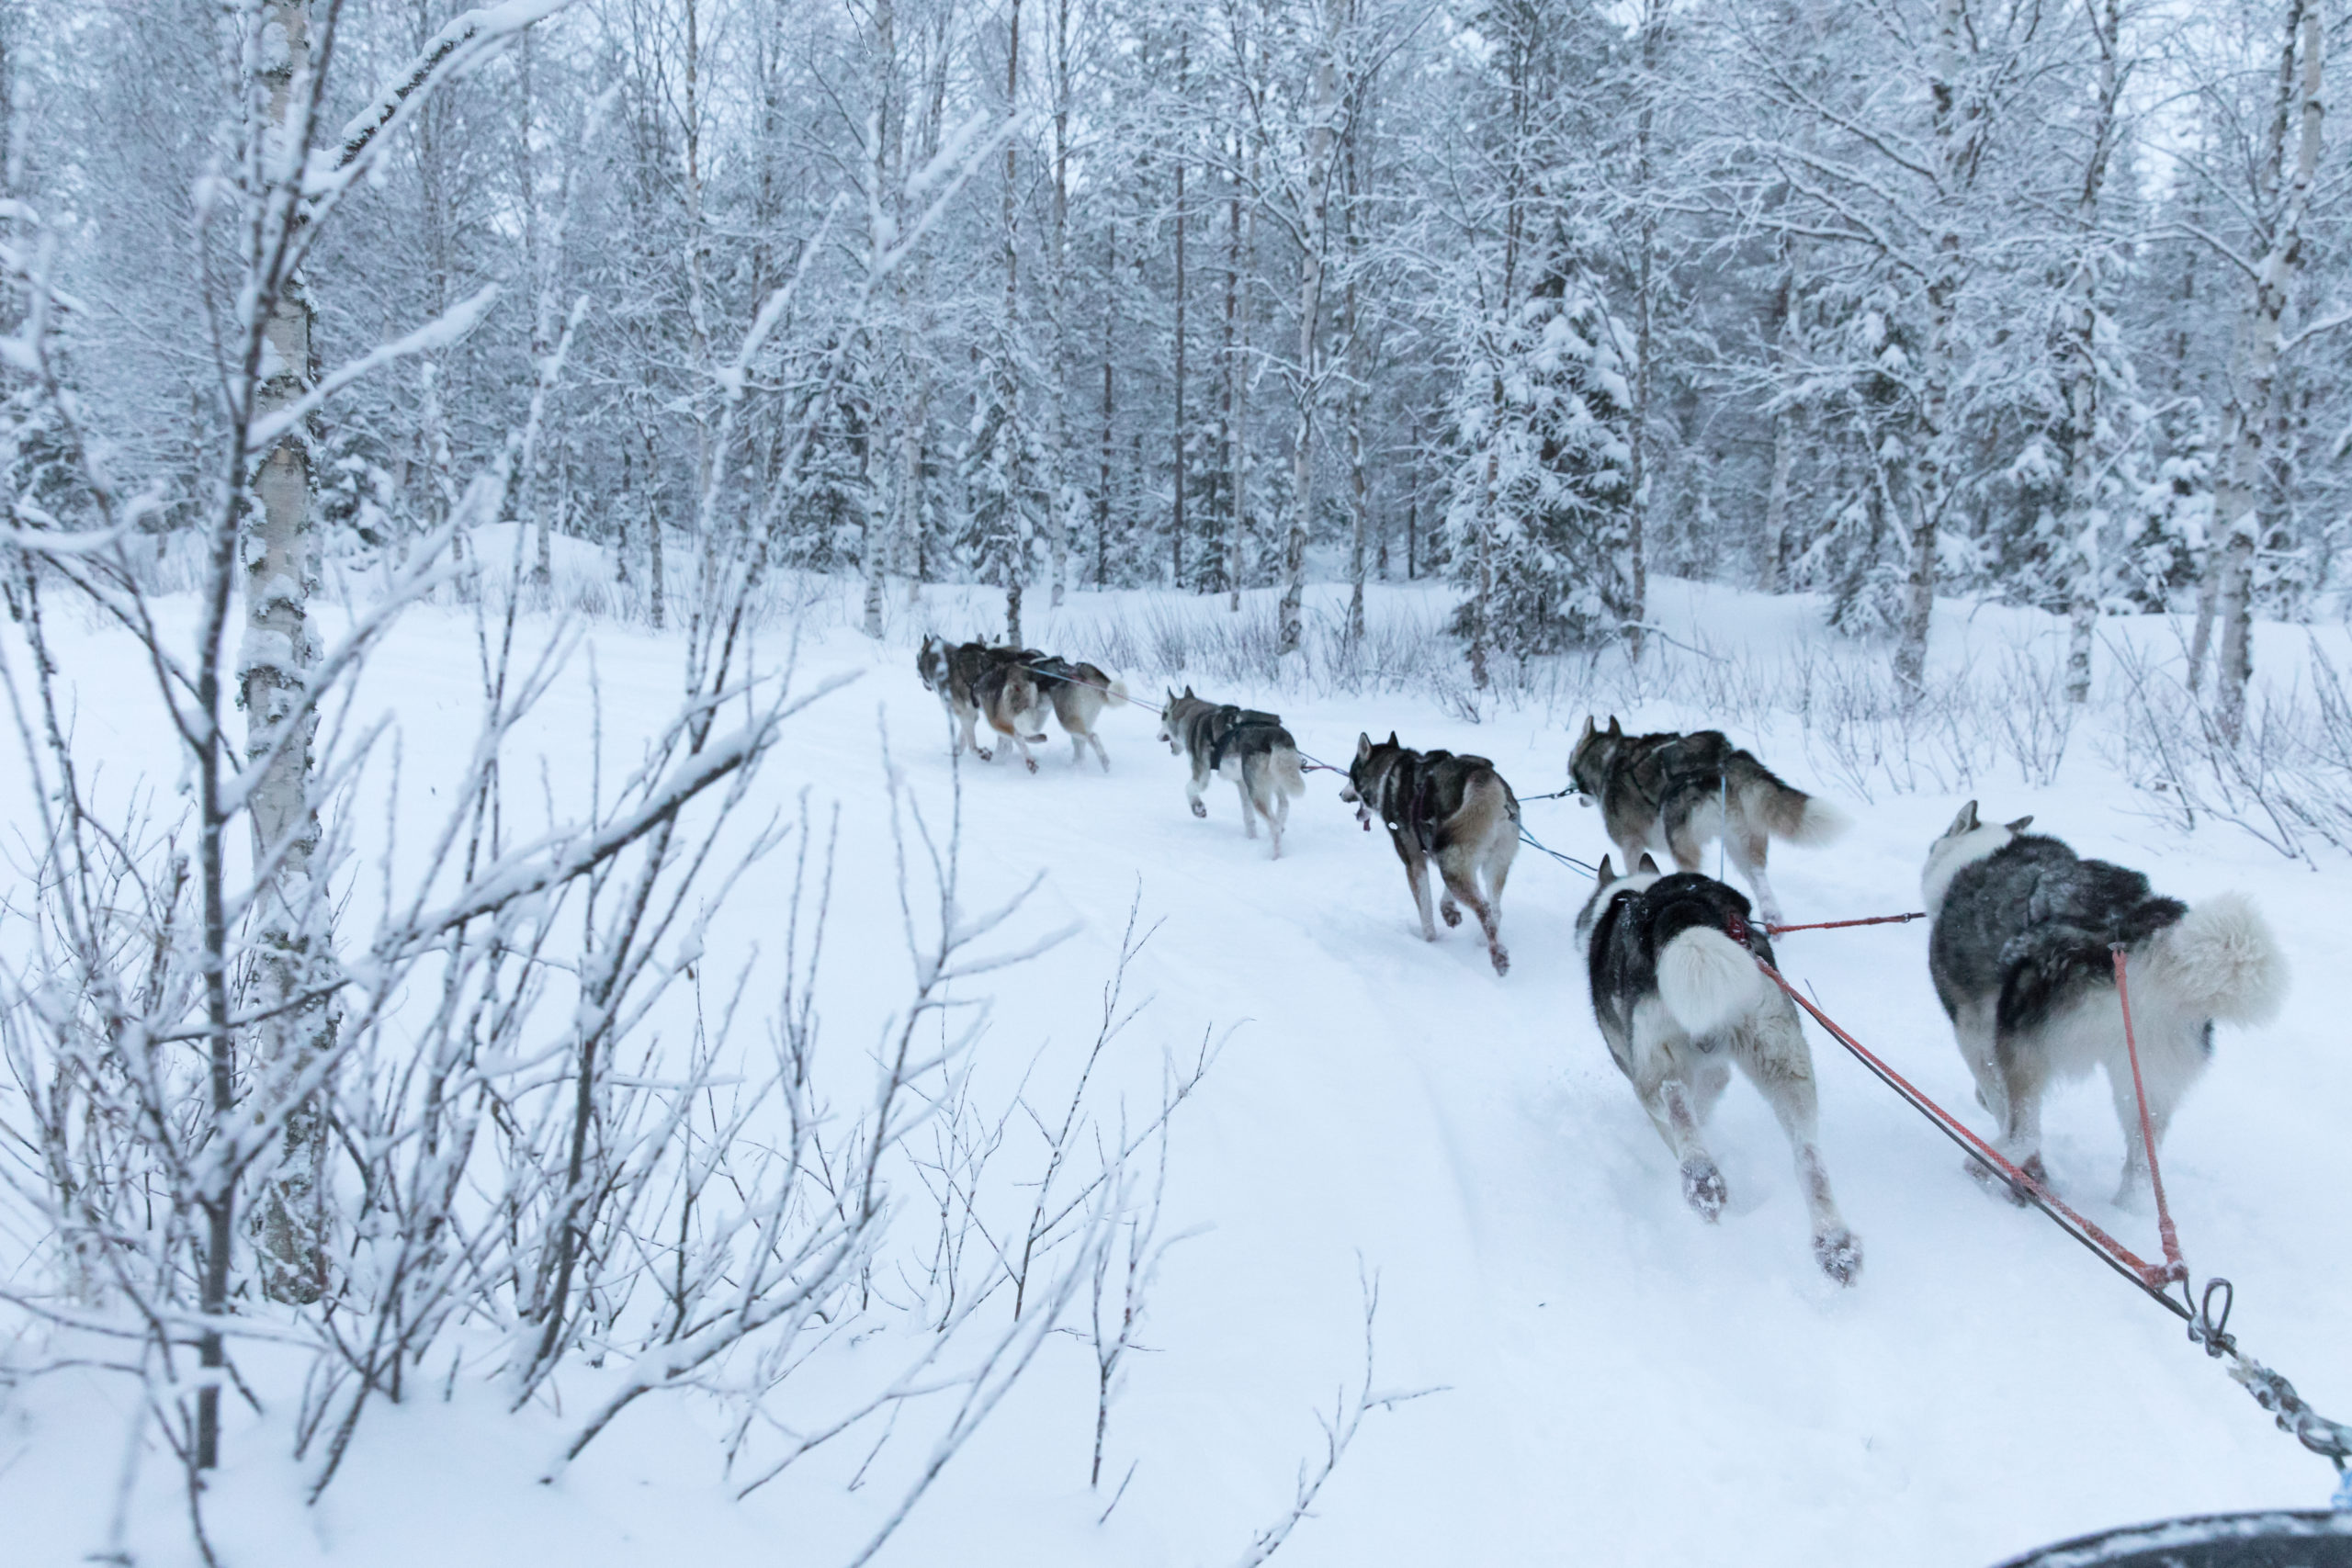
(1618, 1383)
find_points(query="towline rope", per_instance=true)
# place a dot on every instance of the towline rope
(2208, 1329)
(2174, 1268)
(1095, 685)
(1840, 925)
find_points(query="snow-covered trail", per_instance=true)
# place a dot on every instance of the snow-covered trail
(1618, 1381)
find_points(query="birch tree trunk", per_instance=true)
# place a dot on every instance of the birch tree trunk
(1314, 228)
(292, 944)
(1634, 570)
(1110, 347)
(2251, 411)
(1784, 451)
(1009, 388)
(1932, 469)
(1238, 525)
(2086, 517)
(1359, 478)
(882, 233)
(1176, 432)
(1063, 497)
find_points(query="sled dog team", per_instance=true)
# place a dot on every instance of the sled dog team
(2019, 945)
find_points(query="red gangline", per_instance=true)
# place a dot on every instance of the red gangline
(1835, 925)
(2149, 1276)
(2174, 1268)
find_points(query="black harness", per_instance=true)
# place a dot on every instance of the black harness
(1230, 722)
(1406, 798)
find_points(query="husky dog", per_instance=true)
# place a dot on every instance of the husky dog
(1672, 792)
(2021, 952)
(1455, 810)
(1079, 693)
(1250, 747)
(1678, 997)
(976, 680)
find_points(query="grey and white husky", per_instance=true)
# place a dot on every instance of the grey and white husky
(1250, 748)
(2020, 955)
(1079, 693)
(1437, 807)
(1679, 999)
(978, 682)
(1673, 792)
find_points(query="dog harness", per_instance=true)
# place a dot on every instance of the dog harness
(1235, 721)
(1420, 769)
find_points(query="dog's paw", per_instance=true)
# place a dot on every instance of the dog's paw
(1502, 959)
(2000, 1186)
(984, 754)
(1031, 762)
(1451, 912)
(1702, 1187)
(1199, 809)
(1839, 1252)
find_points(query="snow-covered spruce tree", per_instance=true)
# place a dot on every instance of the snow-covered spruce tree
(2166, 531)
(831, 516)
(1542, 481)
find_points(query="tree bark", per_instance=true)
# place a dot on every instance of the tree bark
(1109, 345)
(292, 942)
(1932, 469)
(1064, 494)
(1359, 479)
(1176, 453)
(1634, 571)
(882, 235)
(2085, 519)
(1314, 226)
(2251, 411)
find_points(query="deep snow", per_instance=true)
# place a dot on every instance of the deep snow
(1618, 1381)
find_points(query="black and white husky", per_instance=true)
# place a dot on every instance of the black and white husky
(1673, 793)
(1679, 999)
(2021, 952)
(1250, 747)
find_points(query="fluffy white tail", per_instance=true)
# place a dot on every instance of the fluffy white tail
(1793, 814)
(1119, 691)
(2222, 961)
(1288, 776)
(1707, 980)
(1819, 822)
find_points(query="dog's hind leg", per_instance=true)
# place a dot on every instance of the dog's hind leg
(1661, 1079)
(1745, 846)
(1686, 837)
(1775, 1059)
(2024, 1074)
(1278, 815)
(1248, 808)
(1100, 755)
(1462, 885)
(1702, 1182)
(2168, 1068)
